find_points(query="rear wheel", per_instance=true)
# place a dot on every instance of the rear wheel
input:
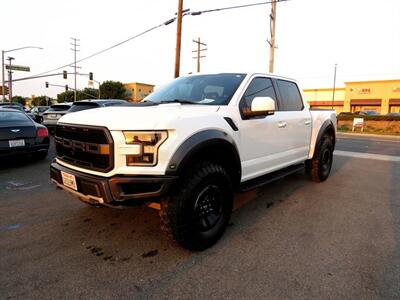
(320, 166)
(197, 214)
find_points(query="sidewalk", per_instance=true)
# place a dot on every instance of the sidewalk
(383, 136)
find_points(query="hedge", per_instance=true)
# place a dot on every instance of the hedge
(369, 118)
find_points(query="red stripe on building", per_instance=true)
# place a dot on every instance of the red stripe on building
(365, 101)
(394, 101)
(326, 103)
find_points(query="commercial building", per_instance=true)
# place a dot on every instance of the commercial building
(382, 96)
(139, 90)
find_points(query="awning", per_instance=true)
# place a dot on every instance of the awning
(366, 101)
(394, 101)
(326, 103)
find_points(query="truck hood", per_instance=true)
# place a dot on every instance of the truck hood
(137, 118)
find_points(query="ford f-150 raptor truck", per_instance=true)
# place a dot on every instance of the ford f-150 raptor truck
(190, 145)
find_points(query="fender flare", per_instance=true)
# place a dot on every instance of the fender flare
(327, 125)
(199, 141)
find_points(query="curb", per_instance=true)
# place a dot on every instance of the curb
(397, 137)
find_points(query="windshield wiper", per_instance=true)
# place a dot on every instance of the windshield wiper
(182, 101)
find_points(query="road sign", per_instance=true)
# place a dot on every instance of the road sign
(18, 68)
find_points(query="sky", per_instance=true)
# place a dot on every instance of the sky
(361, 36)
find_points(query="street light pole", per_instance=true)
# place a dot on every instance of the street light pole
(2, 74)
(334, 86)
(2, 65)
(10, 80)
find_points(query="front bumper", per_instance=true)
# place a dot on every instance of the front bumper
(114, 191)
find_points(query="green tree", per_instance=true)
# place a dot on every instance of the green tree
(19, 99)
(67, 96)
(87, 93)
(113, 90)
(41, 101)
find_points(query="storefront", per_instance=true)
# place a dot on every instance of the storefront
(394, 105)
(366, 104)
(382, 96)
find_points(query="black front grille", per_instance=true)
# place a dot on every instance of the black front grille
(85, 146)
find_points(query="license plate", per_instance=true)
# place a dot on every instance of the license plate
(69, 180)
(53, 116)
(16, 143)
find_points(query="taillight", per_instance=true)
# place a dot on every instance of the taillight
(42, 132)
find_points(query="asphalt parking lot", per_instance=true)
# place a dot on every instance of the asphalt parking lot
(292, 239)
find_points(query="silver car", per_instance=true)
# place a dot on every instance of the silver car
(54, 113)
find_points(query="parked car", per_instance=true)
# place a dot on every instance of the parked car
(342, 114)
(54, 113)
(19, 134)
(90, 104)
(367, 113)
(37, 113)
(394, 114)
(190, 145)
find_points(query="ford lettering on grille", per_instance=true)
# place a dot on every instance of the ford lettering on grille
(87, 147)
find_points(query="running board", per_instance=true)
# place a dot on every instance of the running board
(270, 177)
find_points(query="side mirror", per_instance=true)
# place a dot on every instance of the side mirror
(260, 106)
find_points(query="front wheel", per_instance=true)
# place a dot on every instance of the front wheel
(320, 166)
(197, 214)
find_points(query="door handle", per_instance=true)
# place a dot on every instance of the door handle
(307, 122)
(282, 124)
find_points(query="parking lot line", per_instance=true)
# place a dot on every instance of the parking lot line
(367, 155)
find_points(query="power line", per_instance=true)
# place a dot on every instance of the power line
(196, 13)
(111, 47)
(156, 27)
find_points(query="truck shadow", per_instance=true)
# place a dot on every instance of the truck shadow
(131, 240)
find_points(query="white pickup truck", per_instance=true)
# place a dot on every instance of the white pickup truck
(190, 145)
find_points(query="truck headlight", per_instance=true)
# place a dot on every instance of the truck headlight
(147, 143)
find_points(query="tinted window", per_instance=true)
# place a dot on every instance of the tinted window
(16, 107)
(43, 109)
(82, 106)
(212, 89)
(258, 87)
(59, 108)
(290, 94)
(6, 116)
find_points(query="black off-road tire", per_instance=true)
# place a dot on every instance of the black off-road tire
(320, 166)
(198, 212)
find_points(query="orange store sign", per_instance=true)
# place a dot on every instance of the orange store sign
(364, 91)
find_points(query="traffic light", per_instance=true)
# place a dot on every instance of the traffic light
(90, 75)
(47, 84)
(65, 74)
(66, 87)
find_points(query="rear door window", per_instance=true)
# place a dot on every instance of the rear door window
(291, 98)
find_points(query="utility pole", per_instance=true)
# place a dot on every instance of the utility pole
(10, 80)
(334, 85)
(198, 52)
(272, 47)
(74, 44)
(2, 75)
(178, 39)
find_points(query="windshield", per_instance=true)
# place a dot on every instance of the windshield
(215, 89)
(7, 116)
(82, 106)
